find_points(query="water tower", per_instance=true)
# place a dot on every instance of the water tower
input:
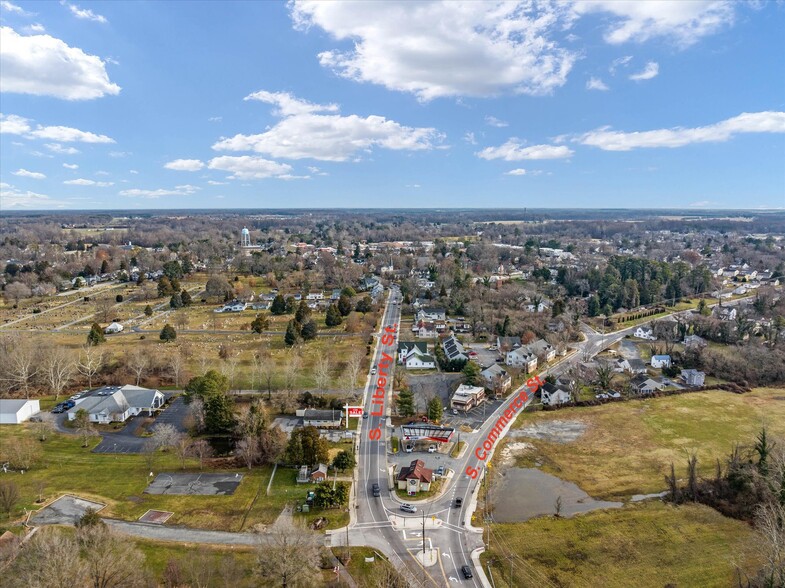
(246, 238)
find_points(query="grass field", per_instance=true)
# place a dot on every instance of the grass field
(119, 482)
(649, 544)
(627, 448)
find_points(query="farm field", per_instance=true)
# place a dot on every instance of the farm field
(648, 545)
(626, 448)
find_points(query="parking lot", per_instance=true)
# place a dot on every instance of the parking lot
(66, 510)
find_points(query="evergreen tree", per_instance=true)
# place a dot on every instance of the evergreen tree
(176, 301)
(405, 403)
(168, 333)
(141, 279)
(303, 312)
(344, 461)
(188, 267)
(291, 304)
(148, 310)
(344, 304)
(278, 306)
(365, 304)
(260, 324)
(104, 267)
(309, 330)
(96, 335)
(186, 298)
(471, 373)
(212, 382)
(291, 336)
(119, 298)
(333, 317)
(594, 305)
(218, 413)
(348, 291)
(165, 287)
(435, 409)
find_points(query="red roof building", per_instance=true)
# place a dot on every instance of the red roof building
(414, 478)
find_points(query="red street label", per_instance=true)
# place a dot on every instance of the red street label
(518, 403)
(379, 393)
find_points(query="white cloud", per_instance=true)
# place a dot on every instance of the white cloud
(516, 172)
(747, 122)
(650, 71)
(68, 135)
(11, 124)
(470, 139)
(683, 22)
(288, 105)
(184, 165)
(45, 66)
(215, 119)
(23, 173)
(102, 173)
(35, 28)
(596, 84)
(513, 150)
(214, 183)
(247, 167)
(119, 154)
(184, 190)
(492, 121)
(85, 182)
(132, 171)
(331, 137)
(415, 186)
(86, 14)
(11, 197)
(11, 7)
(316, 171)
(70, 166)
(57, 148)
(619, 62)
(443, 48)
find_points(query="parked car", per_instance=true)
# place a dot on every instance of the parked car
(409, 448)
(432, 449)
(602, 396)
(58, 409)
(408, 508)
(455, 411)
(458, 502)
(440, 471)
(376, 490)
(373, 371)
(69, 404)
(365, 415)
(467, 572)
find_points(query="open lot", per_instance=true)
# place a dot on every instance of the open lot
(647, 545)
(195, 484)
(627, 448)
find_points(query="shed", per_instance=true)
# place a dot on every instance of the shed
(14, 412)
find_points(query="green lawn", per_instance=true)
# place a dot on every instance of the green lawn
(649, 544)
(119, 482)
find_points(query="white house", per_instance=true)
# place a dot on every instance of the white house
(415, 356)
(693, 377)
(694, 341)
(645, 333)
(233, 306)
(431, 314)
(14, 412)
(117, 403)
(621, 365)
(315, 296)
(113, 328)
(725, 313)
(542, 349)
(522, 358)
(321, 419)
(660, 361)
(496, 379)
(552, 395)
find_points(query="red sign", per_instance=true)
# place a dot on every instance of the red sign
(355, 411)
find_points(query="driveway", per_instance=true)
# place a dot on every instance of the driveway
(126, 439)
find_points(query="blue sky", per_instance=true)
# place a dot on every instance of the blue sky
(332, 104)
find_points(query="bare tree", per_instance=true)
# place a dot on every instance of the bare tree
(166, 436)
(84, 427)
(40, 562)
(292, 370)
(321, 372)
(150, 452)
(91, 360)
(229, 368)
(44, 426)
(266, 369)
(201, 450)
(9, 496)
(248, 450)
(23, 364)
(181, 320)
(137, 362)
(112, 561)
(199, 569)
(176, 362)
(23, 454)
(58, 368)
(353, 368)
(16, 291)
(182, 449)
(770, 528)
(103, 309)
(288, 555)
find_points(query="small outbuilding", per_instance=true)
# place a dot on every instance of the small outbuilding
(14, 412)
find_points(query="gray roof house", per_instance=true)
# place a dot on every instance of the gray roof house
(116, 403)
(693, 377)
(453, 349)
(496, 378)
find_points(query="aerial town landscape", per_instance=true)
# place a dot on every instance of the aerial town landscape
(404, 364)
